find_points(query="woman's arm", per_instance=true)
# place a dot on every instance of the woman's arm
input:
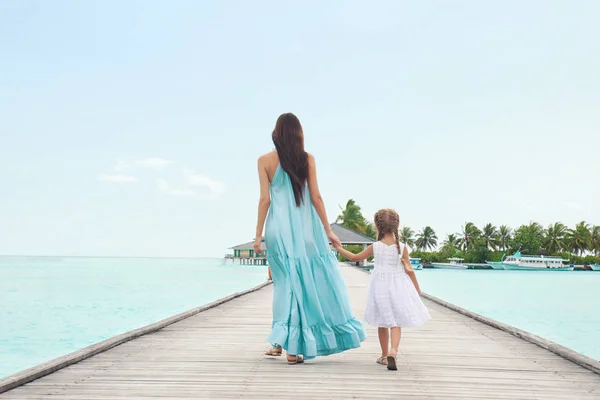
(263, 203)
(410, 271)
(317, 200)
(363, 255)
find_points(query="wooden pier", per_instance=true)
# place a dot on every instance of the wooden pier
(217, 354)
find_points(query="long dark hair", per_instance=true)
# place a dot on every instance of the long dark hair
(289, 142)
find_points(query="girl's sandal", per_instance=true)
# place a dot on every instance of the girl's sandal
(391, 360)
(293, 360)
(273, 352)
(382, 360)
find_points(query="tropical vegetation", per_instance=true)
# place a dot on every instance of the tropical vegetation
(579, 244)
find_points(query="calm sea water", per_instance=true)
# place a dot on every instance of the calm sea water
(561, 306)
(51, 306)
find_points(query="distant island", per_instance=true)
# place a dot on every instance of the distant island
(580, 244)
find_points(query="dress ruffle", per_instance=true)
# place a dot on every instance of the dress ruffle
(311, 307)
(317, 340)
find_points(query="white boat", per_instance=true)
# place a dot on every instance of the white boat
(595, 267)
(531, 263)
(453, 263)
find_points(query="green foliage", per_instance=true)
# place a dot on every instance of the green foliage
(351, 217)
(426, 239)
(356, 248)
(407, 236)
(470, 233)
(580, 245)
(479, 252)
(370, 230)
(504, 237)
(595, 240)
(528, 239)
(580, 238)
(489, 234)
(555, 238)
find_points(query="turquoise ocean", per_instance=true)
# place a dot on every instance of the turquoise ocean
(561, 306)
(50, 306)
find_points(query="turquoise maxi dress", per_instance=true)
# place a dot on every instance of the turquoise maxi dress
(311, 308)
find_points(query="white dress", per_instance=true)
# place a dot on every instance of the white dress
(393, 299)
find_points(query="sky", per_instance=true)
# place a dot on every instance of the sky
(133, 128)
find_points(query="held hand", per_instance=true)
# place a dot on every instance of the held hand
(335, 241)
(257, 242)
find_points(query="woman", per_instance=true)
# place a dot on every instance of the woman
(311, 309)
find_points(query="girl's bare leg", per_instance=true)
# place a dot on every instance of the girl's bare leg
(384, 340)
(396, 334)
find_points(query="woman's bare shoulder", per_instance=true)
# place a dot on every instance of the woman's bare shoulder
(269, 157)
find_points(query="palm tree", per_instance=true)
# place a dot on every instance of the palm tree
(504, 236)
(579, 238)
(470, 232)
(554, 240)
(407, 236)
(369, 230)
(490, 236)
(595, 240)
(452, 242)
(426, 239)
(351, 217)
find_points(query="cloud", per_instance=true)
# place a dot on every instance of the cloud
(164, 187)
(151, 163)
(117, 178)
(214, 187)
(196, 185)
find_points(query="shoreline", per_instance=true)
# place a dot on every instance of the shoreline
(30, 374)
(558, 349)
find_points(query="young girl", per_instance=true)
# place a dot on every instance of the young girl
(393, 301)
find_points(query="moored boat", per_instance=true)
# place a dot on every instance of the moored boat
(531, 263)
(595, 267)
(453, 263)
(416, 263)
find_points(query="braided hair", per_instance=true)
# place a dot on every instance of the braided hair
(388, 221)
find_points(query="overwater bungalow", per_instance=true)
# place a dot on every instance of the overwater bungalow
(246, 255)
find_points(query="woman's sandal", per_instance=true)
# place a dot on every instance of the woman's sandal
(273, 352)
(293, 360)
(382, 360)
(391, 360)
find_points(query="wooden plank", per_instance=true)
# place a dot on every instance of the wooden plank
(217, 354)
(59, 363)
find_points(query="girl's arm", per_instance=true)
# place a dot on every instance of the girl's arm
(363, 255)
(410, 271)
(263, 203)
(317, 200)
